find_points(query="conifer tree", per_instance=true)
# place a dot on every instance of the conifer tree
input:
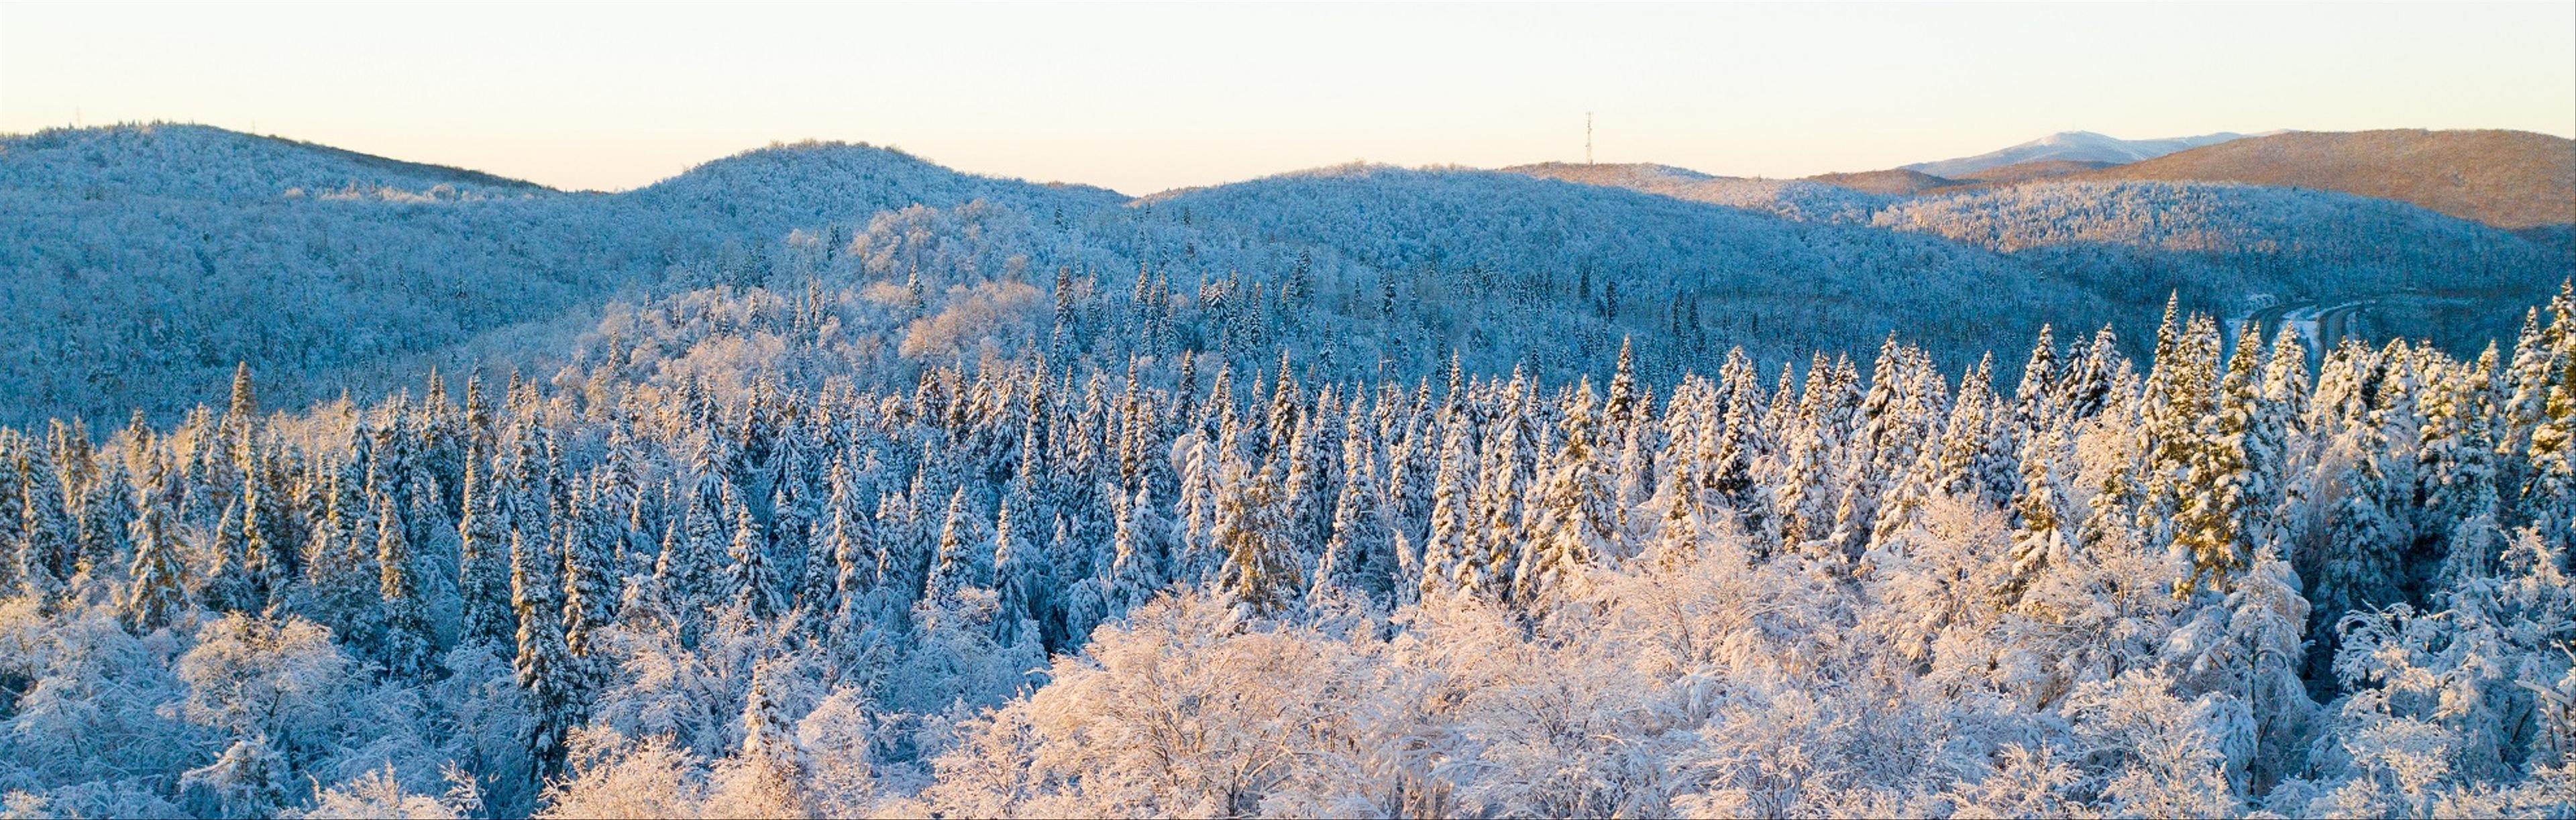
(157, 583)
(2212, 522)
(1260, 570)
(544, 664)
(483, 571)
(1359, 553)
(588, 575)
(953, 566)
(752, 578)
(774, 760)
(408, 641)
(2455, 456)
(231, 584)
(837, 563)
(1447, 548)
(2276, 456)
(1575, 524)
(106, 515)
(2034, 400)
(46, 551)
(1020, 576)
(2041, 537)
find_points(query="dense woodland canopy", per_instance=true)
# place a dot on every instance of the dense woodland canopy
(2215, 582)
(1361, 492)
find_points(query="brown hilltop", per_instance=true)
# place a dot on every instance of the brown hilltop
(2509, 179)
(1892, 182)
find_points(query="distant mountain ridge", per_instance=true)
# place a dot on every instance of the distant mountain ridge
(2509, 179)
(2082, 146)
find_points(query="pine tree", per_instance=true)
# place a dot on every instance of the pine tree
(1575, 525)
(589, 567)
(2549, 499)
(1807, 494)
(230, 585)
(408, 641)
(1359, 553)
(1137, 571)
(2359, 566)
(157, 583)
(839, 564)
(2455, 456)
(544, 664)
(342, 578)
(241, 415)
(2033, 401)
(2178, 394)
(1020, 577)
(753, 577)
(106, 517)
(2040, 538)
(693, 564)
(483, 572)
(1260, 571)
(46, 551)
(2276, 457)
(2524, 401)
(1446, 550)
(953, 567)
(1619, 409)
(269, 558)
(2211, 524)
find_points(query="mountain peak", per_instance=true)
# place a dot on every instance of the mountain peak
(2082, 146)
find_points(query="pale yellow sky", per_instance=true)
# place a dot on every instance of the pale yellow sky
(1146, 97)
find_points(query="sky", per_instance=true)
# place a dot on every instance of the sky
(1146, 97)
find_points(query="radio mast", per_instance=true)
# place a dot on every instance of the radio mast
(1587, 137)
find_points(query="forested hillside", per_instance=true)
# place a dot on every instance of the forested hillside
(137, 250)
(824, 481)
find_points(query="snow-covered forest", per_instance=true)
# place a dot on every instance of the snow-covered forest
(823, 481)
(2206, 584)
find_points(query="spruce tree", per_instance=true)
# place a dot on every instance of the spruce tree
(2041, 534)
(45, 548)
(1446, 550)
(544, 664)
(483, 564)
(408, 643)
(1358, 554)
(1575, 524)
(2211, 520)
(752, 579)
(1261, 571)
(1020, 576)
(953, 567)
(157, 583)
(589, 568)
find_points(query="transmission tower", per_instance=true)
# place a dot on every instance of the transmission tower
(1587, 137)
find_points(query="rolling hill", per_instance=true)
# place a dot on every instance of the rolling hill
(2509, 179)
(141, 256)
(2084, 146)
(1893, 182)
(2033, 170)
